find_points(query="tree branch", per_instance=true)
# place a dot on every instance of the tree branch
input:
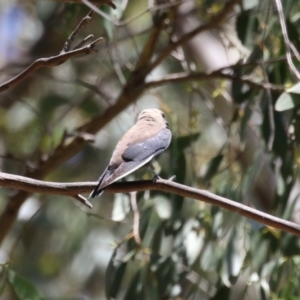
(287, 42)
(96, 2)
(71, 189)
(50, 62)
(87, 19)
(184, 76)
(214, 22)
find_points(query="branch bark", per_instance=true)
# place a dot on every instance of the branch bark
(70, 189)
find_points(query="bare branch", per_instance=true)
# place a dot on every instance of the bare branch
(287, 42)
(71, 189)
(84, 41)
(96, 2)
(50, 62)
(87, 19)
(106, 16)
(213, 23)
(83, 200)
(184, 76)
(136, 218)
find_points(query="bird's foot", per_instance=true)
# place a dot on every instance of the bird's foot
(155, 178)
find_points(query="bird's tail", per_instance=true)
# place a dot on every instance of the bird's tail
(98, 191)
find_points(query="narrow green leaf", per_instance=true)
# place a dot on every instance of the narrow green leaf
(235, 253)
(245, 120)
(250, 177)
(135, 289)
(114, 14)
(249, 4)
(157, 238)
(107, 24)
(222, 293)
(2, 284)
(117, 280)
(163, 207)
(22, 287)
(212, 167)
(144, 222)
(110, 273)
(178, 163)
(165, 274)
(186, 140)
(121, 207)
(257, 53)
(264, 290)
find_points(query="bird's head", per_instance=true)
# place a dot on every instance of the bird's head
(153, 115)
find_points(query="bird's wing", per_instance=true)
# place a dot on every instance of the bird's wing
(148, 148)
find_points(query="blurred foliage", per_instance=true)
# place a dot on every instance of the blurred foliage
(190, 250)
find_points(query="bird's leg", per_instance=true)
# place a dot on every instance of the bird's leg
(152, 170)
(124, 180)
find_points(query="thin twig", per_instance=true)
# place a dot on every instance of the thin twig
(84, 41)
(287, 42)
(71, 189)
(213, 23)
(87, 19)
(269, 95)
(92, 6)
(83, 200)
(184, 76)
(48, 62)
(136, 218)
(96, 2)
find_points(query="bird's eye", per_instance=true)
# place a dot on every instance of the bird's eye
(163, 115)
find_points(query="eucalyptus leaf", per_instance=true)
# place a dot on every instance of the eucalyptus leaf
(121, 207)
(244, 122)
(117, 280)
(289, 99)
(264, 290)
(2, 284)
(23, 288)
(114, 275)
(249, 4)
(157, 239)
(163, 207)
(212, 167)
(235, 253)
(135, 288)
(223, 293)
(114, 15)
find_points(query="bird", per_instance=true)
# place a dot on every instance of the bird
(149, 137)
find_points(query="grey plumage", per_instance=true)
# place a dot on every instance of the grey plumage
(146, 139)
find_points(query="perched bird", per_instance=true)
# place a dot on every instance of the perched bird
(146, 139)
